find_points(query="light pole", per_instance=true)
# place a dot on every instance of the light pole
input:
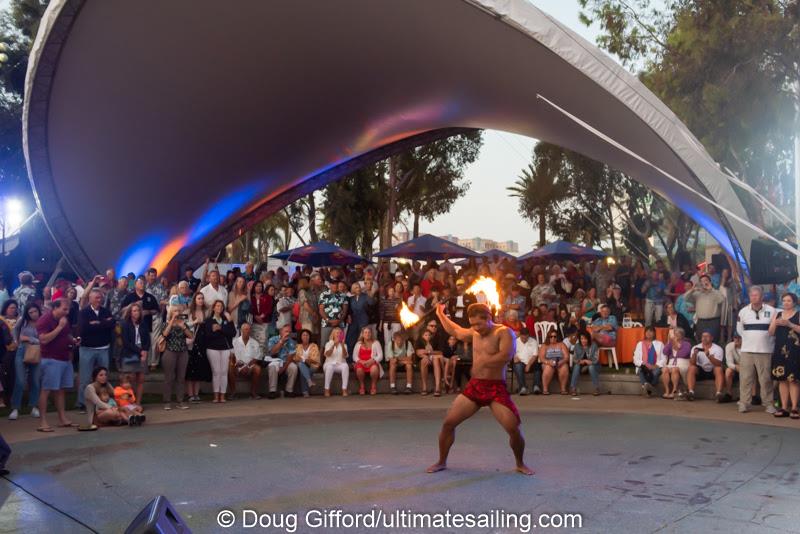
(797, 168)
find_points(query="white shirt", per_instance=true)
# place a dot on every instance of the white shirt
(246, 353)
(639, 356)
(527, 351)
(753, 327)
(338, 355)
(212, 295)
(731, 355)
(417, 306)
(702, 359)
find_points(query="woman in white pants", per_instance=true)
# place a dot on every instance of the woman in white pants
(336, 361)
(219, 334)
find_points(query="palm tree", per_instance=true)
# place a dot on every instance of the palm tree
(539, 189)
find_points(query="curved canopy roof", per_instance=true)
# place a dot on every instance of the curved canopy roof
(158, 132)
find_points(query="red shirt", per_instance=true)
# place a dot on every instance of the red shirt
(59, 347)
(426, 286)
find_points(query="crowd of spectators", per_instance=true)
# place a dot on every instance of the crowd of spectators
(290, 326)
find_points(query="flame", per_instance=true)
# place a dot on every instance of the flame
(487, 287)
(407, 317)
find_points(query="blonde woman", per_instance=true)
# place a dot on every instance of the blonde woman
(219, 332)
(367, 354)
(336, 361)
(239, 301)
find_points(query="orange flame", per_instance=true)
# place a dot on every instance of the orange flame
(488, 288)
(408, 317)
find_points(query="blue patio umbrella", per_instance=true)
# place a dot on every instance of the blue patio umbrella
(563, 250)
(427, 247)
(320, 254)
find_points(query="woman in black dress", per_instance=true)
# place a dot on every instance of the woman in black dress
(785, 326)
(198, 369)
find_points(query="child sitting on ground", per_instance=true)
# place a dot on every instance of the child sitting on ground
(125, 397)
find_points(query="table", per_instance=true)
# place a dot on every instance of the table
(627, 338)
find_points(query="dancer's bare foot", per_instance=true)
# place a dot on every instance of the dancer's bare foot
(435, 468)
(524, 469)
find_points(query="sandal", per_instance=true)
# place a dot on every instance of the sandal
(69, 425)
(667, 396)
(45, 429)
(781, 413)
(565, 392)
(545, 393)
(794, 414)
(87, 428)
(362, 391)
(437, 393)
(423, 393)
(373, 390)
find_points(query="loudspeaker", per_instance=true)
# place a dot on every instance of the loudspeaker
(770, 264)
(158, 517)
(719, 261)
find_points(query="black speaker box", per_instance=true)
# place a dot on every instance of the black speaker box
(770, 264)
(158, 517)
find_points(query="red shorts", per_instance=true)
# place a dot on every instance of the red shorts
(483, 392)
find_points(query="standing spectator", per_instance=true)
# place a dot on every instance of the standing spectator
(188, 277)
(26, 292)
(622, 277)
(281, 350)
(239, 301)
(261, 304)
(26, 336)
(655, 293)
(308, 361)
(135, 345)
(176, 356)
(56, 350)
(332, 309)
(457, 306)
(182, 298)
(157, 289)
(617, 302)
(214, 291)
(390, 316)
(4, 295)
(95, 325)
(416, 302)
(672, 320)
(525, 358)
(708, 307)
(218, 334)
(308, 305)
(8, 346)
(336, 360)
(586, 355)
(285, 307)
(359, 316)
(685, 308)
(785, 326)
(198, 368)
(147, 303)
(757, 347)
(649, 359)
(245, 362)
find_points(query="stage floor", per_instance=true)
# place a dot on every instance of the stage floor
(622, 472)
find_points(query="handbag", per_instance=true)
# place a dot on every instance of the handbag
(33, 354)
(161, 343)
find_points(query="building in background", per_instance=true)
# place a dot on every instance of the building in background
(480, 244)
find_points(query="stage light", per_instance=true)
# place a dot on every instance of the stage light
(12, 216)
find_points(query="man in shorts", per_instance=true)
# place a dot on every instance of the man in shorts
(493, 346)
(706, 364)
(56, 365)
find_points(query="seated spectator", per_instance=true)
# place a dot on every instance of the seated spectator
(245, 361)
(706, 364)
(525, 359)
(678, 353)
(512, 321)
(125, 397)
(586, 357)
(604, 328)
(732, 362)
(554, 358)
(367, 355)
(452, 352)
(101, 407)
(280, 360)
(648, 357)
(617, 303)
(336, 361)
(672, 320)
(400, 352)
(307, 359)
(429, 356)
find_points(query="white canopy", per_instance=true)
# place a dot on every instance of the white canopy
(158, 132)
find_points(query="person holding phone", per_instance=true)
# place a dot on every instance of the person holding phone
(176, 356)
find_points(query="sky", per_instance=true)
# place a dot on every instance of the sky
(502, 158)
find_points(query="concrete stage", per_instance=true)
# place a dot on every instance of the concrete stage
(626, 464)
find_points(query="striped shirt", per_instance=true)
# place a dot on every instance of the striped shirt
(753, 326)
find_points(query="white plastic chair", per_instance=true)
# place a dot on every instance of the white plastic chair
(541, 329)
(612, 359)
(636, 324)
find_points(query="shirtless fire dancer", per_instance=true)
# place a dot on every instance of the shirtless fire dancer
(492, 348)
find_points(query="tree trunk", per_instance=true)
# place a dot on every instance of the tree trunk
(612, 233)
(391, 209)
(542, 228)
(416, 224)
(312, 218)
